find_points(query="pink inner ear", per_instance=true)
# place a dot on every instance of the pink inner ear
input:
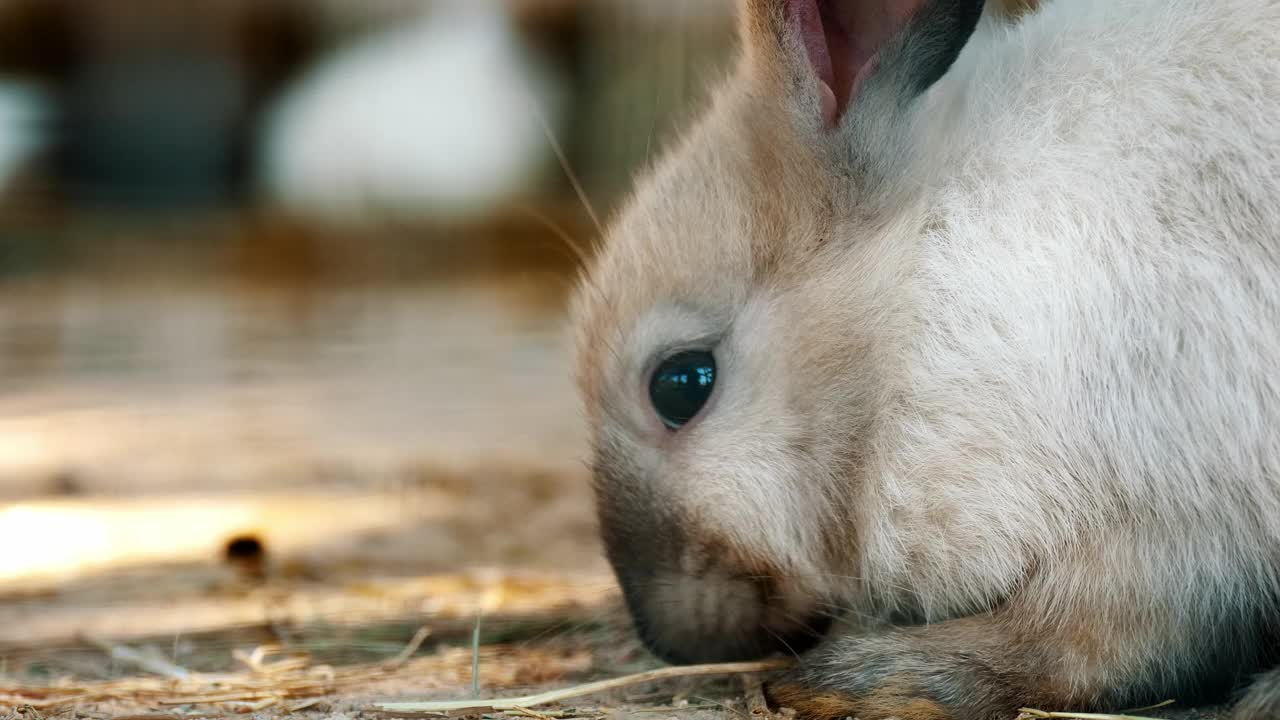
(842, 39)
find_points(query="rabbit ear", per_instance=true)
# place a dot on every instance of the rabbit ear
(831, 51)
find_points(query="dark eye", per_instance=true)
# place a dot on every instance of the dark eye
(681, 385)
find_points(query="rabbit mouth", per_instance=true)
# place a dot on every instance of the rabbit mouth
(695, 597)
(720, 617)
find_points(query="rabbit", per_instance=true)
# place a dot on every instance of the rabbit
(943, 352)
(440, 113)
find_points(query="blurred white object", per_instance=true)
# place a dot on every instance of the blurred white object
(23, 113)
(442, 115)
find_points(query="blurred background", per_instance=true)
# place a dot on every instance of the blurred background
(281, 305)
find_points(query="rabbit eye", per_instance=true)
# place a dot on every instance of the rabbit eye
(681, 385)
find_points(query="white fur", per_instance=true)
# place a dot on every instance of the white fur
(1095, 330)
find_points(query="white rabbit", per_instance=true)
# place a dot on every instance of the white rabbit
(967, 328)
(443, 114)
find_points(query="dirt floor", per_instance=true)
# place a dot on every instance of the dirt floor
(226, 498)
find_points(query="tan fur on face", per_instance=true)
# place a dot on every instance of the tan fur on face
(1015, 9)
(1013, 350)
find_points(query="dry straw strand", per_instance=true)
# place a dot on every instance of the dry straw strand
(591, 688)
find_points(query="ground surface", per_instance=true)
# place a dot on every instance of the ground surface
(408, 455)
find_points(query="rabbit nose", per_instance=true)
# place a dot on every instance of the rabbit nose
(717, 617)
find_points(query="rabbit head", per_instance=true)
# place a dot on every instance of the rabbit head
(732, 329)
